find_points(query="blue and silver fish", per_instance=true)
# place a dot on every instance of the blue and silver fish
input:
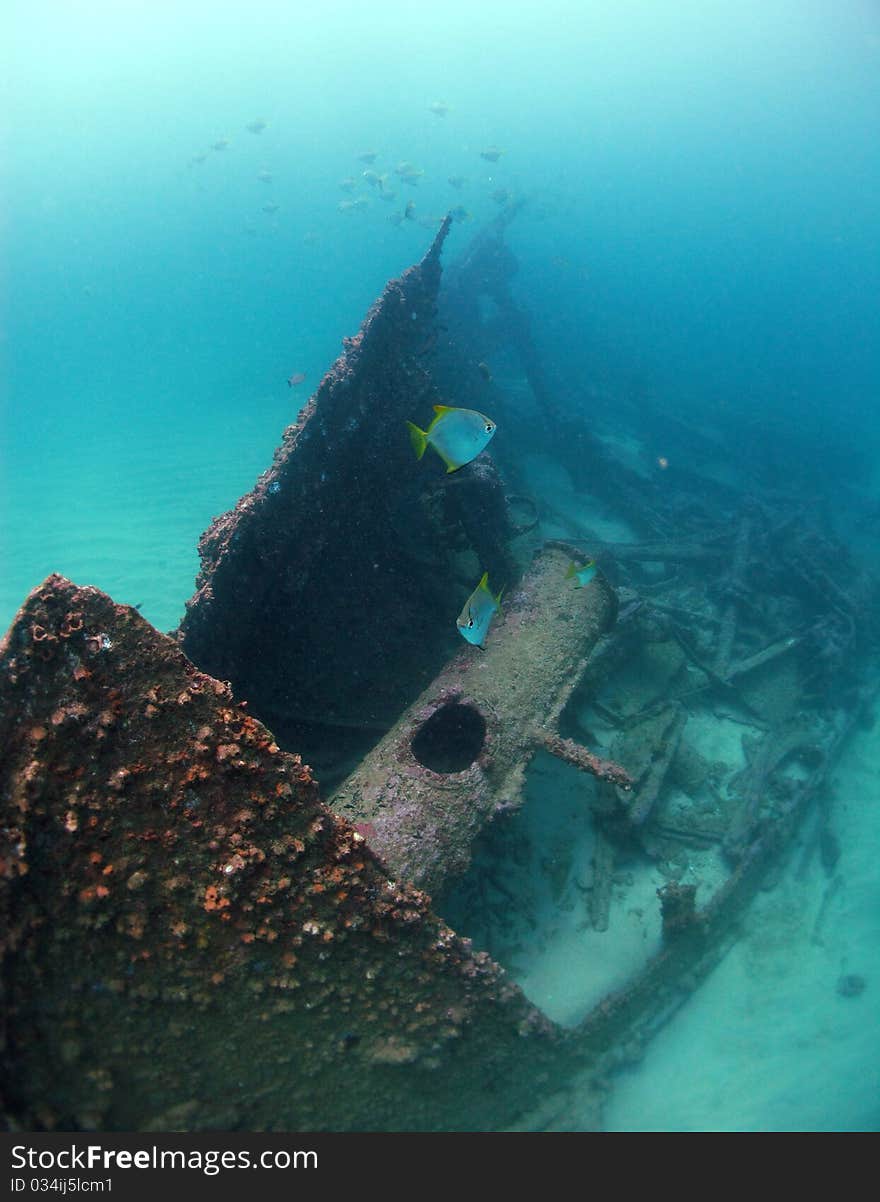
(476, 617)
(457, 435)
(583, 574)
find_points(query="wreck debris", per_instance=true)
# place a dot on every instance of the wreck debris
(734, 586)
(751, 787)
(648, 747)
(297, 582)
(674, 720)
(604, 860)
(832, 888)
(677, 907)
(191, 939)
(573, 753)
(766, 656)
(459, 753)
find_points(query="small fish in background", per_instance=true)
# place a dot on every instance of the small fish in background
(220, 144)
(256, 127)
(476, 616)
(408, 173)
(491, 154)
(387, 194)
(439, 108)
(271, 207)
(348, 184)
(353, 206)
(264, 176)
(374, 179)
(409, 213)
(396, 219)
(457, 181)
(196, 159)
(485, 372)
(296, 379)
(457, 435)
(501, 196)
(581, 575)
(459, 213)
(368, 156)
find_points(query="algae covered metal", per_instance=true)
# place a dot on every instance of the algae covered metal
(458, 755)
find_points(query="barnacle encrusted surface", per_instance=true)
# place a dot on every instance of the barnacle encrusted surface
(190, 939)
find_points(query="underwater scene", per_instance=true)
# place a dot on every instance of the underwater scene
(439, 508)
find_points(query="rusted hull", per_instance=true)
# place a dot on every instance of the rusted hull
(190, 939)
(323, 597)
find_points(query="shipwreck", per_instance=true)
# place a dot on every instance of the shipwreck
(224, 850)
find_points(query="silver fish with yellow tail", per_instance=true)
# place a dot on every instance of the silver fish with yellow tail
(476, 616)
(457, 435)
(582, 574)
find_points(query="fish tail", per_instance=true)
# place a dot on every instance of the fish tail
(418, 438)
(572, 570)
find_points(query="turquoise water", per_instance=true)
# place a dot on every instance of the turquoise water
(702, 181)
(702, 230)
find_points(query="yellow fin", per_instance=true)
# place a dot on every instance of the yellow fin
(572, 571)
(418, 438)
(484, 585)
(444, 408)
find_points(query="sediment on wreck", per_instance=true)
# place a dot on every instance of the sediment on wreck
(191, 940)
(457, 756)
(327, 597)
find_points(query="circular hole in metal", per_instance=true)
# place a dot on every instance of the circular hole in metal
(451, 739)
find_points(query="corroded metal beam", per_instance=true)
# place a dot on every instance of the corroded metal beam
(458, 755)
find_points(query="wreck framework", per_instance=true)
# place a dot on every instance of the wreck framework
(172, 883)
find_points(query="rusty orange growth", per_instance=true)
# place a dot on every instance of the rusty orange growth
(214, 900)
